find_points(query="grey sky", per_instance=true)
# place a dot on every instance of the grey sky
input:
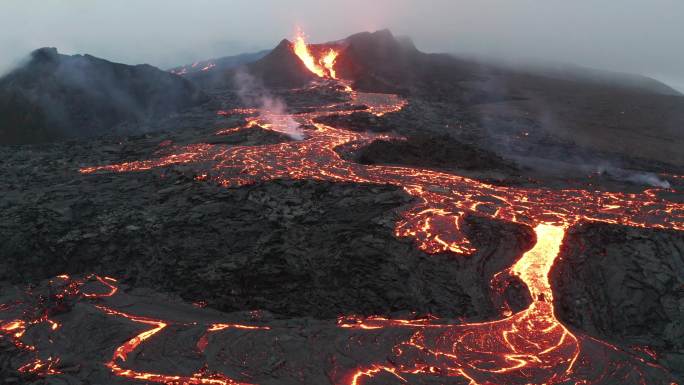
(640, 36)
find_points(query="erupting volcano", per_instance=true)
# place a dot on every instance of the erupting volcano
(522, 346)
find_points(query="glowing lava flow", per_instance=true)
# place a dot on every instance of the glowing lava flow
(529, 347)
(534, 267)
(121, 354)
(69, 289)
(328, 62)
(531, 344)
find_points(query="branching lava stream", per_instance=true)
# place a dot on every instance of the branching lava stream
(528, 347)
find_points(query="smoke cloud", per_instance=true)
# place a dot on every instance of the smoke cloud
(640, 178)
(272, 109)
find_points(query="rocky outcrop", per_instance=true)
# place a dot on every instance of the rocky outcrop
(293, 248)
(624, 285)
(427, 151)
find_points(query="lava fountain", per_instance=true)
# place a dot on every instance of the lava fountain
(323, 66)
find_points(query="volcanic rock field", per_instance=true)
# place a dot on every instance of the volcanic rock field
(406, 218)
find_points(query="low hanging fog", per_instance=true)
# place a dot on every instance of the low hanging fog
(635, 36)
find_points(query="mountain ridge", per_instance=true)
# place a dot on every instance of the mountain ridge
(54, 96)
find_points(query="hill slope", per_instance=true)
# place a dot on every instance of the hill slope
(219, 64)
(280, 68)
(56, 96)
(627, 114)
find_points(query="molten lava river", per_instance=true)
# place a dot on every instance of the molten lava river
(527, 347)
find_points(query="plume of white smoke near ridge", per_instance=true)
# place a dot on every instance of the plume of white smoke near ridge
(545, 150)
(636, 177)
(649, 179)
(271, 109)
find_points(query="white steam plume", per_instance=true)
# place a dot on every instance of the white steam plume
(272, 109)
